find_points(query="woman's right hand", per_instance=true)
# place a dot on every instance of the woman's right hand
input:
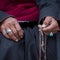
(16, 32)
(50, 25)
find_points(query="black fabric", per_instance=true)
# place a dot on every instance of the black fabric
(48, 8)
(58, 45)
(52, 48)
(27, 48)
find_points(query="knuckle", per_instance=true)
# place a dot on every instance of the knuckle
(11, 22)
(11, 34)
(15, 32)
(13, 37)
(14, 20)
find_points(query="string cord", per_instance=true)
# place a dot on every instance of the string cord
(42, 45)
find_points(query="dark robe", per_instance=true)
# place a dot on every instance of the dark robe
(25, 49)
(28, 47)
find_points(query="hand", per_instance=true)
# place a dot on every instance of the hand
(51, 25)
(12, 24)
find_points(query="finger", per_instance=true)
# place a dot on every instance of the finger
(48, 33)
(3, 30)
(47, 20)
(40, 27)
(53, 31)
(14, 31)
(43, 25)
(19, 29)
(11, 35)
(50, 27)
(53, 27)
(57, 28)
(21, 33)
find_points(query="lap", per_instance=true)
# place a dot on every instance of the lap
(27, 48)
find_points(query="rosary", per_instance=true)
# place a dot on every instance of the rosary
(42, 45)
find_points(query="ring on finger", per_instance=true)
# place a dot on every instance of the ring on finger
(8, 31)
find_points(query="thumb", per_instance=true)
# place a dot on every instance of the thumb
(47, 20)
(40, 26)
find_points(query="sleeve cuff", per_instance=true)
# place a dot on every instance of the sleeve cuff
(4, 15)
(49, 11)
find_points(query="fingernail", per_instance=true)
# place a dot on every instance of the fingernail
(39, 25)
(43, 25)
(16, 40)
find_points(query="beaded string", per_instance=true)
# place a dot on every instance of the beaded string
(42, 45)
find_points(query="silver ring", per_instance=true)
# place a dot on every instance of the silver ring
(51, 34)
(8, 31)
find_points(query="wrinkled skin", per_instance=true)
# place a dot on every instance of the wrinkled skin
(51, 25)
(16, 31)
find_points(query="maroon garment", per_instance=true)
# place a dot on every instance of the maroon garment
(21, 9)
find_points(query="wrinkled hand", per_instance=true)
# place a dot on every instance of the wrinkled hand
(51, 25)
(12, 24)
